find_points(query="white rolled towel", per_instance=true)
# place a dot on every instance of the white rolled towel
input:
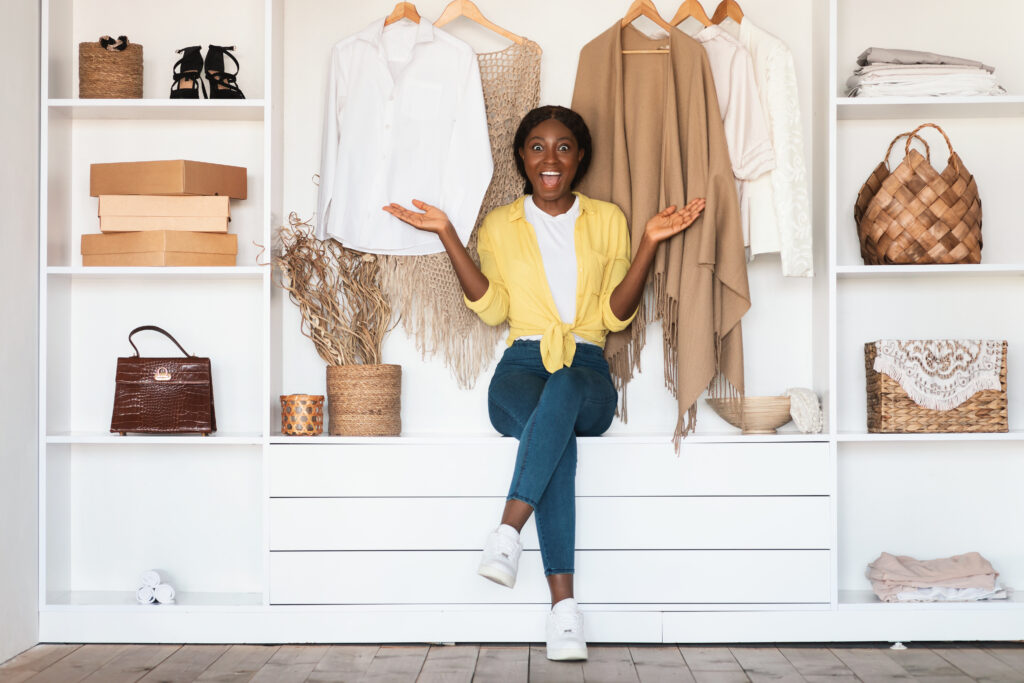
(150, 578)
(145, 595)
(163, 593)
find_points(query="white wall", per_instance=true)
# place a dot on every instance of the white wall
(777, 330)
(19, 148)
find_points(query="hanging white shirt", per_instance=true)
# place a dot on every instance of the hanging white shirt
(556, 238)
(404, 120)
(778, 203)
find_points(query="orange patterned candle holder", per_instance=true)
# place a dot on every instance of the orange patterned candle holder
(302, 415)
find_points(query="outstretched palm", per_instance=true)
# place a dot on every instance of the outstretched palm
(670, 221)
(432, 219)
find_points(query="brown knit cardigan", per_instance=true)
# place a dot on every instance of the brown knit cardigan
(659, 140)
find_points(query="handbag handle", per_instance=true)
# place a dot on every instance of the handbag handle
(908, 134)
(936, 127)
(154, 328)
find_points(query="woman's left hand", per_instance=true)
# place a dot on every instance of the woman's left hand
(671, 222)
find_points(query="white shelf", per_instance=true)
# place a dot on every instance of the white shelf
(108, 439)
(860, 272)
(125, 601)
(154, 109)
(864, 437)
(618, 439)
(875, 108)
(195, 272)
(867, 600)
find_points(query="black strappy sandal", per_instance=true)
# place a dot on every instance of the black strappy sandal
(186, 75)
(222, 85)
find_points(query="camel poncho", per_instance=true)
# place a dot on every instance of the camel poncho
(659, 140)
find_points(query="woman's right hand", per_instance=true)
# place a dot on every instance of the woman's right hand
(432, 219)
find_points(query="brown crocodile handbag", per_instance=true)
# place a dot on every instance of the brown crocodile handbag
(163, 395)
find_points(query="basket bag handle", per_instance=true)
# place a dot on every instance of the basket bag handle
(154, 328)
(913, 133)
(908, 135)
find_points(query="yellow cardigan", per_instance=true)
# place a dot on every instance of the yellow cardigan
(518, 289)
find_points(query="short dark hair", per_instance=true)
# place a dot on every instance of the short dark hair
(571, 120)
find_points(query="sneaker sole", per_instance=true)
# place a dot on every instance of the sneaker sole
(497, 575)
(567, 654)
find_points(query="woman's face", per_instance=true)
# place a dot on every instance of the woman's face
(551, 156)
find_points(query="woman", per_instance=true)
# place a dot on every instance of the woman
(556, 265)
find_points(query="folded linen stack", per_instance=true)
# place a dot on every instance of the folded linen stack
(967, 577)
(153, 589)
(908, 73)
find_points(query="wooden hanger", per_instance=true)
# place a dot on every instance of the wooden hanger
(645, 8)
(403, 10)
(690, 8)
(727, 8)
(466, 8)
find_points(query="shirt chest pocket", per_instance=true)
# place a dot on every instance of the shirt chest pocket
(595, 266)
(422, 101)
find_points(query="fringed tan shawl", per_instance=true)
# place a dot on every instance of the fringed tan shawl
(424, 289)
(659, 140)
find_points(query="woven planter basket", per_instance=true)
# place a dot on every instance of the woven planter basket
(302, 415)
(915, 215)
(364, 400)
(104, 73)
(891, 411)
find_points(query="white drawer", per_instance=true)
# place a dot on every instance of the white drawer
(621, 523)
(627, 577)
(607, 467)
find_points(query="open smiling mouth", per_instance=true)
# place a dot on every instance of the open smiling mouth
(550, 179)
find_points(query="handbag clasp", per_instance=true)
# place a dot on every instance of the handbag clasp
(161, 374)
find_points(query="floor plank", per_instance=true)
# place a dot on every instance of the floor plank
(449, 664)
(660, 664)
(32, 661)
(83, 662)
(707, 659)
(871, 664)
(185, 665)
(609, 665)
(815, 662)
(291, 664)
(978, 664)
(343, 663)
(502, 665)
(396, 665)
(239, 663)
(1008, 654)
(543, 670)
(132, 664)
(925, 665)
(766, 664)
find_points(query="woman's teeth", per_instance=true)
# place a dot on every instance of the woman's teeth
(550, 178)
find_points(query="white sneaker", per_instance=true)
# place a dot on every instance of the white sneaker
(565, 631)
(500, 561)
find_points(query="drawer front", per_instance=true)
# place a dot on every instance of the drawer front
(605, 577)
(607, 467)
(621, 523)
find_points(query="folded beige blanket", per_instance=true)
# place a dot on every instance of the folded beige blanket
(893, 574)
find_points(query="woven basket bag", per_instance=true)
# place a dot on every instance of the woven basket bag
(915, 215)
(106, 73)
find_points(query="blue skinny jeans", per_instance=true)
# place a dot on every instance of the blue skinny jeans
(546, 411)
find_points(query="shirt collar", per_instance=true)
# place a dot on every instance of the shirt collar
(518, 209)
(375, 32)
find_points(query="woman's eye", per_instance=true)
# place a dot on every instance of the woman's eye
(563, 148)
(537, 148)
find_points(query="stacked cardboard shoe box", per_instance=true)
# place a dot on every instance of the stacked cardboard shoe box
(164, 213)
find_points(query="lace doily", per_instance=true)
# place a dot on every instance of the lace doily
(940, 374)
(805, 409)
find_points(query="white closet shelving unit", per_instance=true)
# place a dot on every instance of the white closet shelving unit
(290, 539)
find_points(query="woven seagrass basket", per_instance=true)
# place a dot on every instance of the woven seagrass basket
(891, 411)
(104, 73)
(302, 415)
(364, 400)
(915, 215)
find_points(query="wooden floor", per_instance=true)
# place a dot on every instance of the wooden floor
(936, 662)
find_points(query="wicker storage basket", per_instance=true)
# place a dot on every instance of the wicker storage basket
(364, 400)
(302, 415)
(104, 73)
(915, 215)
(891, 411)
